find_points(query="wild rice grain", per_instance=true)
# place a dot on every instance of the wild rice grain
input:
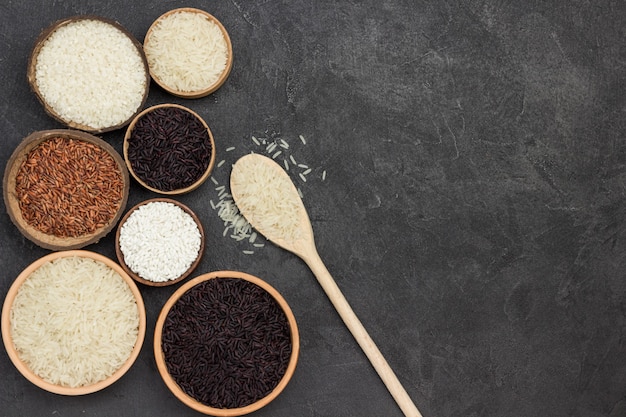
(226, 342)
(169, 148)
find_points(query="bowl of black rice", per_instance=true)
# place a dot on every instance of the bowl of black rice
(169, 149)
(226, 343)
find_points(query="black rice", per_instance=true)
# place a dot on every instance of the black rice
(226, 342)
(169, 148)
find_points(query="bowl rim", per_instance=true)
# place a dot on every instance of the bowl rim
(32, 63)
(188, 400)
(179, 191)
(229, 62)
(192, 267)
(36, 379)
(48, 241)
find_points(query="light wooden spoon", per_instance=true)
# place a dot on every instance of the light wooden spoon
(268, 199)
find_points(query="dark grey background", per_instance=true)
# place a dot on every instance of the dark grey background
(472, 212)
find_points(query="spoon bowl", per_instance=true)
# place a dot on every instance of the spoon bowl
(268, 199)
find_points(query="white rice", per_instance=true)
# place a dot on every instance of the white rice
(268, 197)
(91, 73)
(159, 241)
(186, 51)
(74, 321)
(277, 148)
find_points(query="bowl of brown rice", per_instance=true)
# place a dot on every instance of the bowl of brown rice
(64, 188)
(73, 322)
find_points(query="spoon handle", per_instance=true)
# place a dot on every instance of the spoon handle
(353, 323)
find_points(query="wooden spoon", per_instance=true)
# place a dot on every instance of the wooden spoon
(268, 199)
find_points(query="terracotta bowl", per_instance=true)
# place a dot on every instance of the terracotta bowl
(136, 276)
(11, 198)
(25, 370)
(55, 108)
(171, 382)
(142, 180)
(171, 88)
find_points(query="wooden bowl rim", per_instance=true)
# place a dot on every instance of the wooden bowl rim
(191, 402)
(192, 267)
(179, 191)
(36, 379)
(10, 198)
(32, 62)
(222, 78)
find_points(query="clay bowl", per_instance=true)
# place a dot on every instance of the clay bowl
(44, 237)
(7, 318)
(161, 332)
(158, 155)
(158, 64)
(111, 101)
(144, 247)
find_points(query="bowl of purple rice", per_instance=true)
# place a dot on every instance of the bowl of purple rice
(169, 149)
(226, 343)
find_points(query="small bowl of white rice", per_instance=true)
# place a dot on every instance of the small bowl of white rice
(89, 73)
(73, 322)
(189, 52)
(159, 242)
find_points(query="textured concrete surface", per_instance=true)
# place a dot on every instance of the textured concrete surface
(472, 211)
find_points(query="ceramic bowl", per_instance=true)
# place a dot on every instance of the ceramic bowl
(173, 238)
(27, 224)
(15, 356)
(172, 383)
(175, 36)
(152, 168)
(120, 93)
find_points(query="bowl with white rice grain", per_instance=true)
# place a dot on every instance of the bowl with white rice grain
(189, 52)
(89, 73)
(159, 242)
(73, 322)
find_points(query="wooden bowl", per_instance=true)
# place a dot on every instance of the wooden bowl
(136, 276)
(7, 333)
(78, 66)
(144, 181)
(154, 72)
(171, 382)
(11, 199)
